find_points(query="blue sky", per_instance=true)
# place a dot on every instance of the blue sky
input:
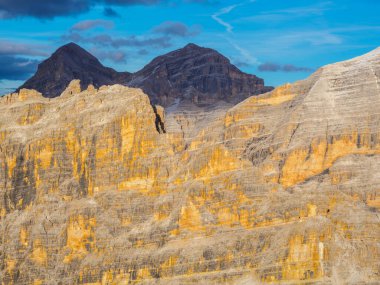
(280, 41)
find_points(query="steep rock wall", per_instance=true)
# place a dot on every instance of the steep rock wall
(281, 188)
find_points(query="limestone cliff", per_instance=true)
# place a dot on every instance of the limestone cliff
(101, 187)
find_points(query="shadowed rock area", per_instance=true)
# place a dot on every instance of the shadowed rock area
(71, 62)
(102, 187)
(199, 75)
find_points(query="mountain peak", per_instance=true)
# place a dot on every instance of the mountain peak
(74, 51)
(67, 63)
(70, 45)
(197, 74)
(192, 46)
(193, 73)
(72, 48)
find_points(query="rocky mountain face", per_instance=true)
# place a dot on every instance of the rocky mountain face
(102, 187)
(71, 62)
(199, 75)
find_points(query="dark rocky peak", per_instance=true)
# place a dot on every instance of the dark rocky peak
(71, 62)
(193, 74)
(74, 50)
(197, 74)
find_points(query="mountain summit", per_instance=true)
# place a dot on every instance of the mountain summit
(71, 62)
(197, 74)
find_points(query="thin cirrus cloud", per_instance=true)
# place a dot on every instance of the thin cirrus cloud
(90, 24)
(245, 59)
(274, 67)
(274, 16)
(217, 17)
(177, 29)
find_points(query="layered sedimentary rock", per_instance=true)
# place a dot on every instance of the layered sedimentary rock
(195, 74)
(101, 187)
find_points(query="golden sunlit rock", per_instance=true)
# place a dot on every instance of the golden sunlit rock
(101, 187)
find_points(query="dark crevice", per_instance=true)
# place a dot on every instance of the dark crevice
(160, 126)
(293, 133)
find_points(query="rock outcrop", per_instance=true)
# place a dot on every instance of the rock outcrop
(196, 74)
(71, 62)
(101, 187)
(200, 75)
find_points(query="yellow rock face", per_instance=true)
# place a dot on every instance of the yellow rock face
(101, 187)
(80, 237)
(39, 254)
(321, 155)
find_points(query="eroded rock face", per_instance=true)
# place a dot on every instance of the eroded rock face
(196, 74)
(282, 187)
(68, 63)
(201, 75)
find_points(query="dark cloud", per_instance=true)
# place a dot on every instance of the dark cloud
(42, 9)
(162, 42)
(49, 9)
(203, 1)
(108, 41)
(13, 62)
(177, 29)
(109, 12)
(270, 67)
(16, 68)
(114, 56)
(90, 24)
(293, 68)
(143, 52)
(132, 2)
(273, 67)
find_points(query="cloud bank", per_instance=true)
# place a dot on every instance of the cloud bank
(273, 67)
(16, 68)
(177, 29)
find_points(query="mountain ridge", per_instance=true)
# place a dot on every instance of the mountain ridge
(281, 188)
(67, 63)
(217, 79)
